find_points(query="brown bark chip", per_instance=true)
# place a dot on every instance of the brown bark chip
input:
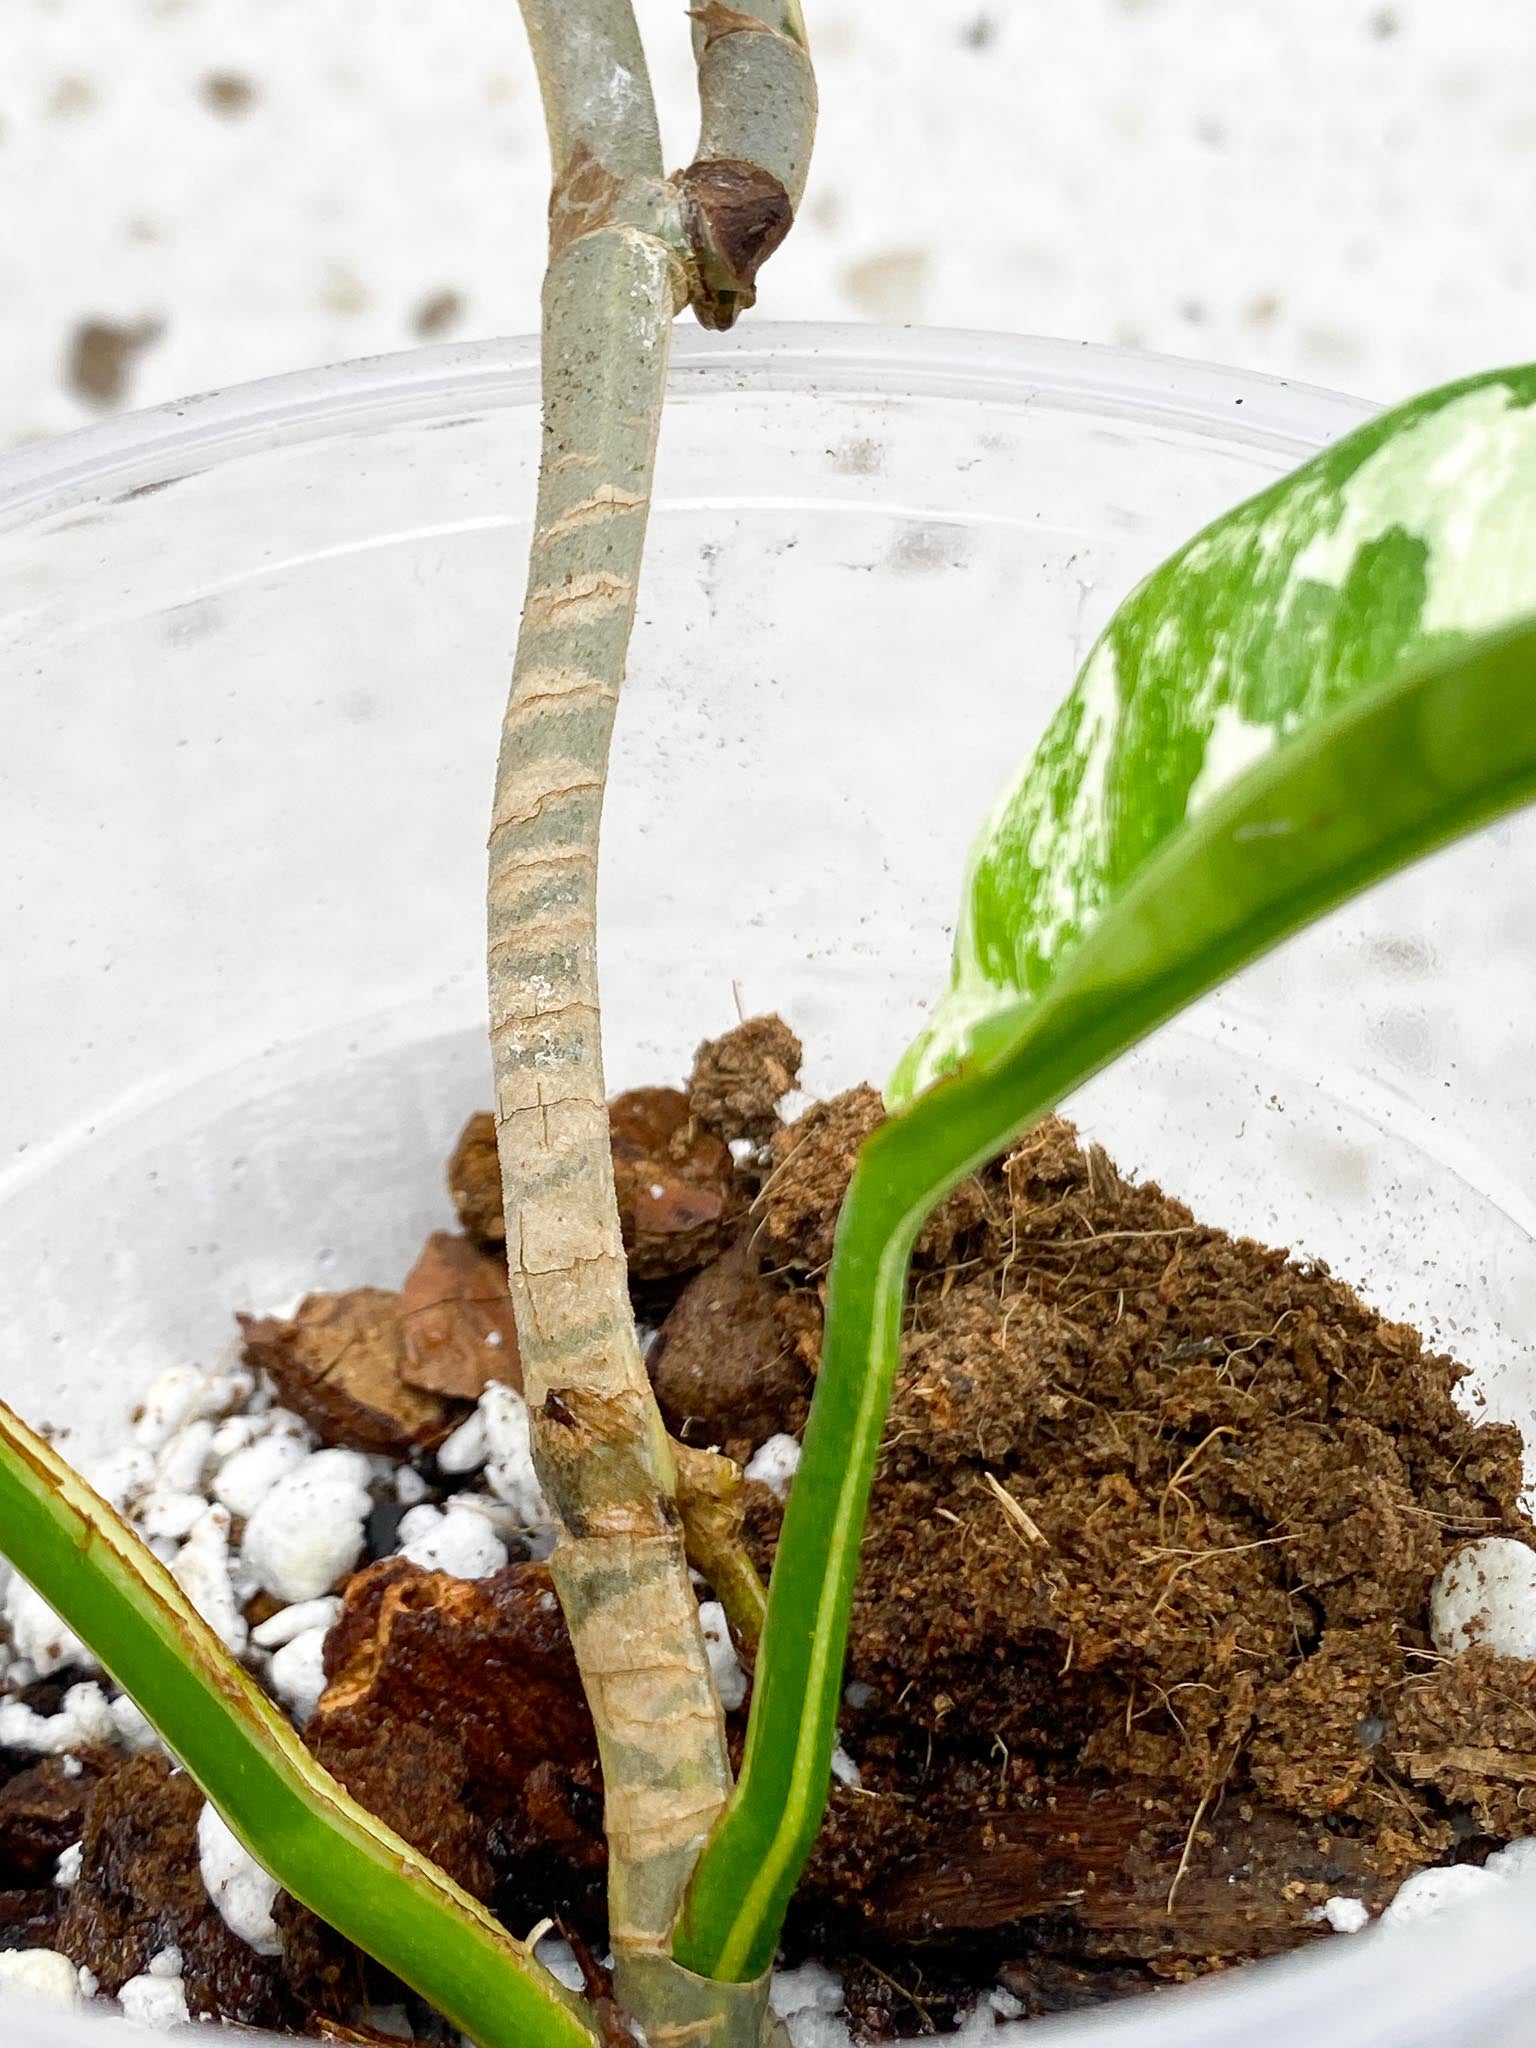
(679, 1193)
(678, 1190)
(418, 1783)
(1465, 1729)
(454, 1712)
(1107, 1854)
(456, 1324)
(474, 1180)
(339, 1364)
(408, 1640)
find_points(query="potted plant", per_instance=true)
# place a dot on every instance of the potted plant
(1331, 680)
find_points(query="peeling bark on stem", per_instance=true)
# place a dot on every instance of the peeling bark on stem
(598, 1439)
(619, 1566)
(626, 249)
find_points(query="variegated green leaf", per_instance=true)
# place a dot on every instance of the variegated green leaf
(1407, 540)
(1324, 685)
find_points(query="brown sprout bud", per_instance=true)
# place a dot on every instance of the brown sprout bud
(735, 214)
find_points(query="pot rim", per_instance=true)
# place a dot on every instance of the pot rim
(137, 450)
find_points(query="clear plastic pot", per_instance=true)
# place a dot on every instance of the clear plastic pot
(254, 650)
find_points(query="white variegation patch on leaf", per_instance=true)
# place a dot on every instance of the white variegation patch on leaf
(1414, 536)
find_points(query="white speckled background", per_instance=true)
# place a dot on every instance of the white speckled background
(1341, 190)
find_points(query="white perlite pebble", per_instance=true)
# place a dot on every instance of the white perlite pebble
(235, 1432)
(201, 1569)
(813, 1987)
(845, 1770)
(394, 2022)
(83, 1717)
(181, 1464)
(1516, 1862)
(1432, 1891)
(225, 1392)
(155, 2001)
(297, 1672)
(309, 1529)
(172, 1399)
(237, 1885)
(810, 2003)
(119, 1475)
(169, 1517)
(40, 1974)
(67, 1870)
(89, 1982)
(248, 1475)
(410, 1488)
(465, 1450)
(730, 1679)
(559, 1958)
(289, 1622)
(165, 1962)
(509, 1469)
(984, 2017)
(1486, 1594)
(38, 1635)
(243, 1579)
(454, 1539)
(775, 1463)
(1345, 1916)
(130, 1726)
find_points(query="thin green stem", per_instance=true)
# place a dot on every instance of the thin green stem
(749, 1869)
(294, 1817)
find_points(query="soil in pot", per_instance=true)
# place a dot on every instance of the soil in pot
(1142, 1681)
